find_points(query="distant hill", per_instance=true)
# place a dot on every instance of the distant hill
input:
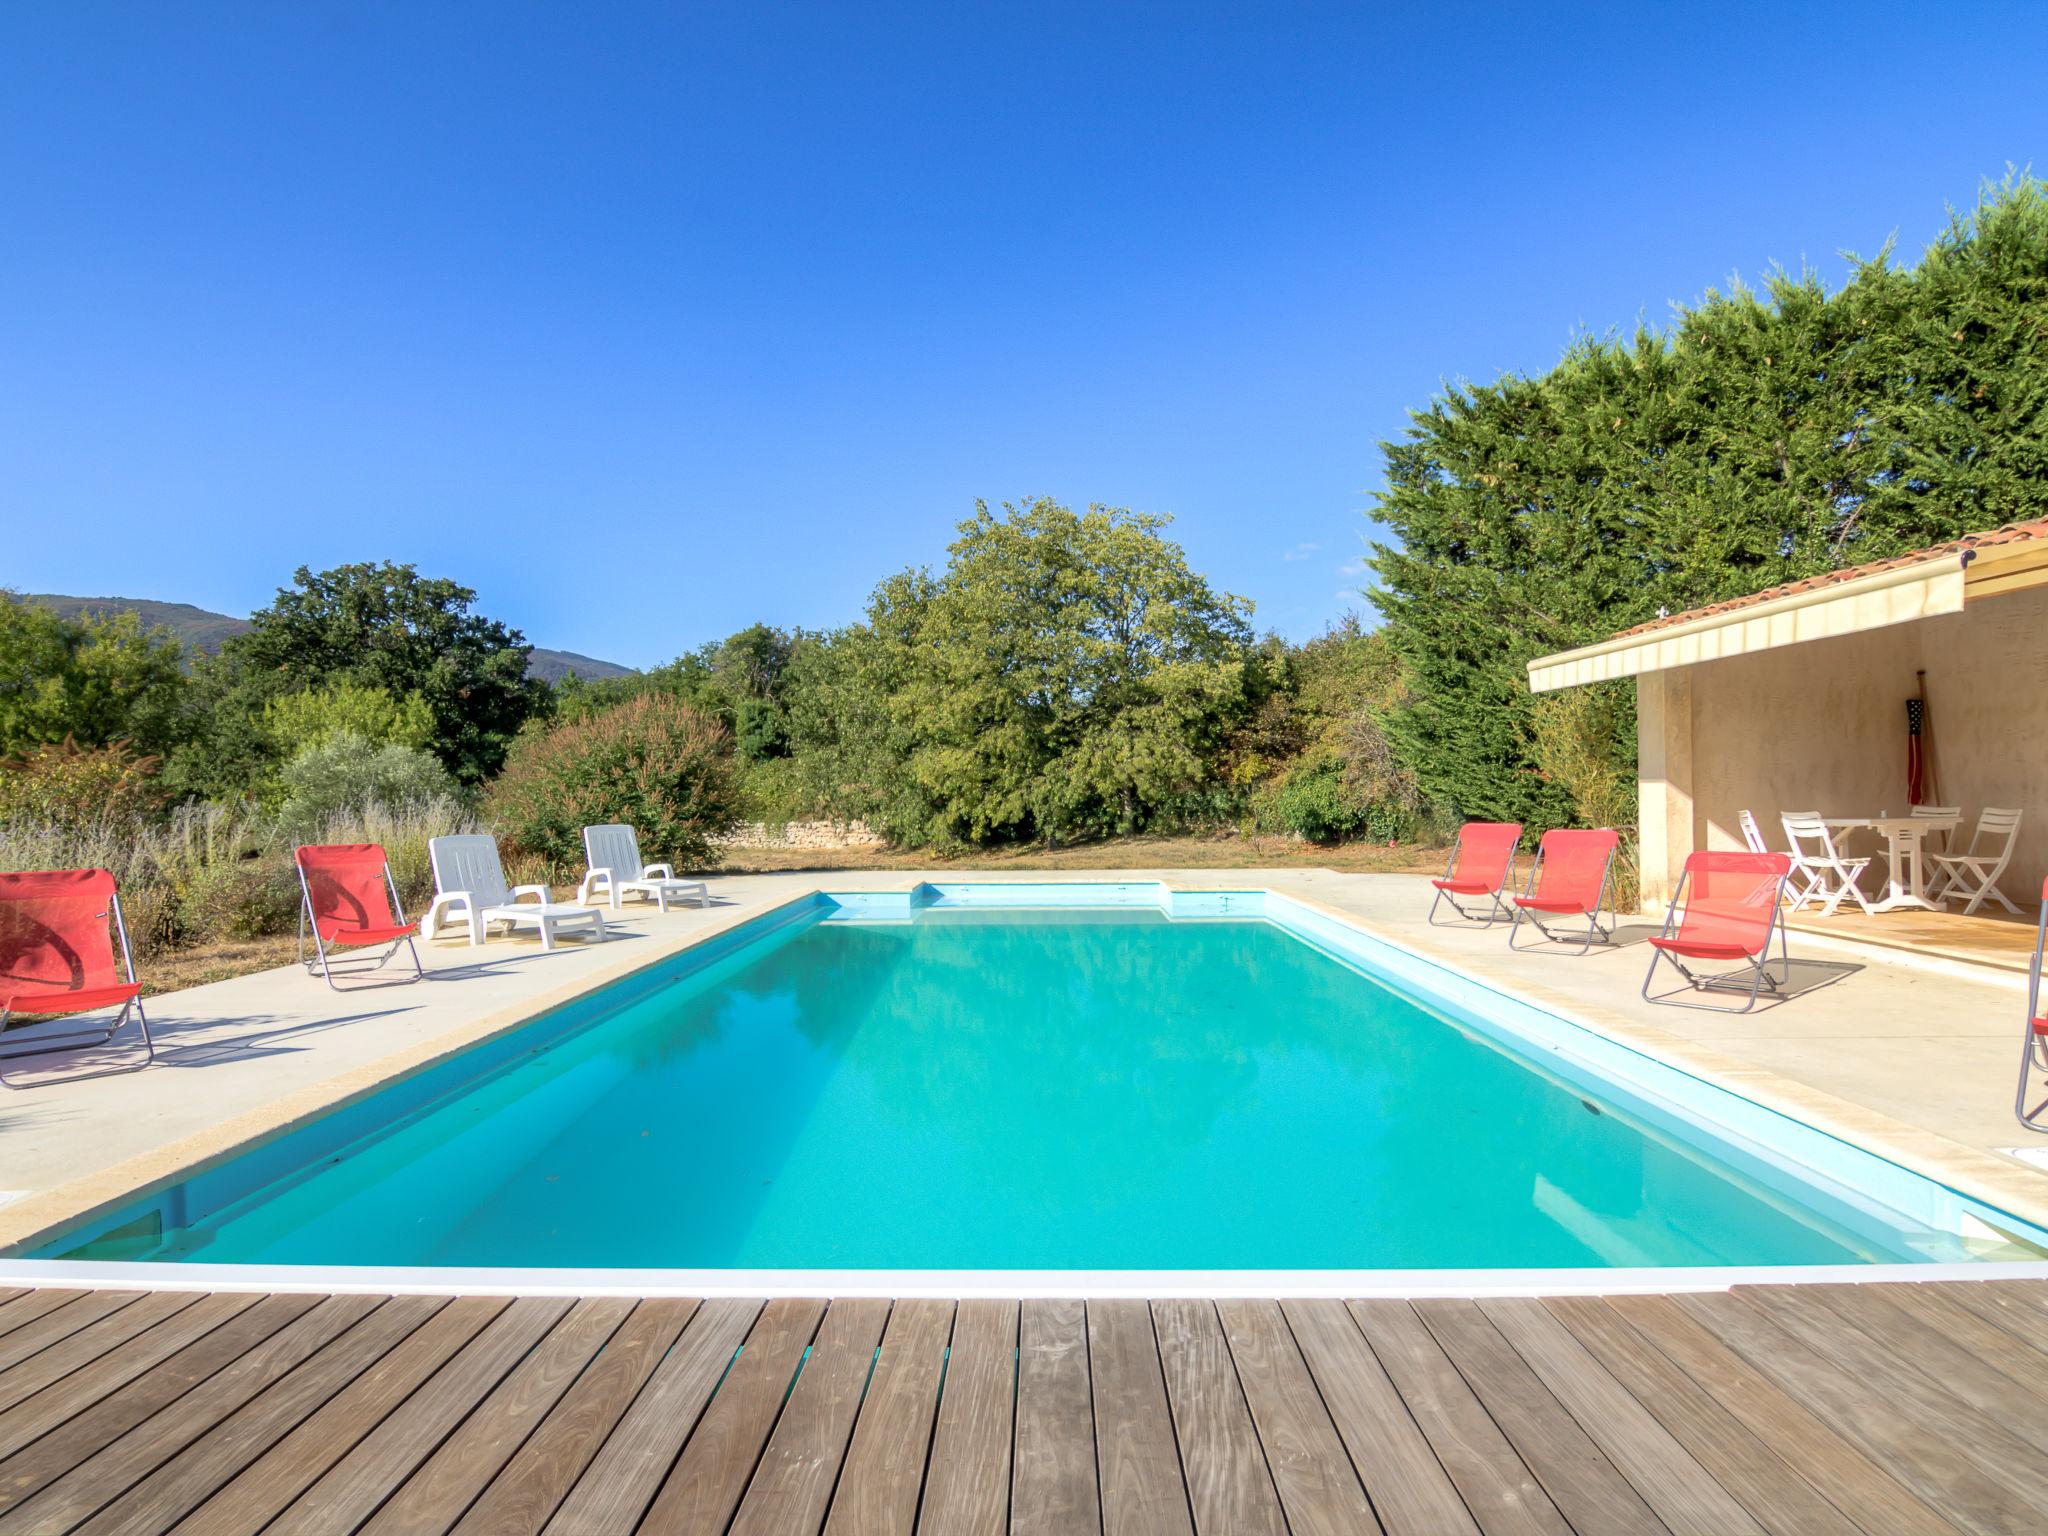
(205, 631)
(553, 666)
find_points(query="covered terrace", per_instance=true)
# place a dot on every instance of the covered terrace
(1795, 699)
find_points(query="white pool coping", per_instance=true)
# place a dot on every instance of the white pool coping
(964, 1284)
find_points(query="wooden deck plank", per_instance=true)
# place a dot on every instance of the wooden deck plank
(2003, 1306)
(448, 1482)
(626, 1473)
(106, 1475)
(1683, 1494)
(1933, 1467)
(61, 1323)
(1919, 1409)
(20, 1382)
(349, 1491)
(1137, 1457)
(1230, 1488)
(522, 1497)
(269, 1484)
(74, 1417)
(883, 1475)
(1581, 1481)
(1766, 1485)
(1053, 1489)
(180, 1485)
(967, 1483)
(793, 1484)
(26, 1309)
(1499, 1491)
(703, 1488)
(1912, 1382)
(1835, 1464)
(2006, 1352)
(1411, 1493)
(1906, 1335)
(1318, 1486)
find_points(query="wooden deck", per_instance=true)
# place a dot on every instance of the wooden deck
(1895, 1408)
(1991, 938)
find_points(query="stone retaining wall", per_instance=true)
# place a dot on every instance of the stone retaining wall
(818, 836)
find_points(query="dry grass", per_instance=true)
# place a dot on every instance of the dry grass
(177, 969)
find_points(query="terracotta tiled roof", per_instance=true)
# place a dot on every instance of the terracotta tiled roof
(2011, 533)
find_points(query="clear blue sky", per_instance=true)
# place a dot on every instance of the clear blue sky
(650, 321)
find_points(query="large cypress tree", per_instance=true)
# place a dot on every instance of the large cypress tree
(1763, 437)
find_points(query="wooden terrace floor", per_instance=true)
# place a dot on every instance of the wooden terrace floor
(1989, 938)
(1883, 1408)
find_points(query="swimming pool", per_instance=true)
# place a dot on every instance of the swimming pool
(1047, 1078)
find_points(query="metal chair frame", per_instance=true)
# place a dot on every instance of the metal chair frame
(320, 966)
(1758, 976)
(2034, 1035)
(1497, 911)
(49, 1045)
(1595, 931)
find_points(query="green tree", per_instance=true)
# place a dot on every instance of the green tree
(294, 721)
(1067, 676)
(1763, 437)
(1328, 768)
(94, 681)
(378, 626)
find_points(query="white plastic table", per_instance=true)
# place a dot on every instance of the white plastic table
(1908, 872)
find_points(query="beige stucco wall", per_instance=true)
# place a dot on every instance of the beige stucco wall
(1821, 726)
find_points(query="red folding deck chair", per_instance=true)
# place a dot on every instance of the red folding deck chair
(350, 899)
(2034, 1042)
(57, 957)
(1725, 907)
(1571, 879)
(1482, 863)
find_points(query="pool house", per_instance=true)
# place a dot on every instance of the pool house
(1796, 699)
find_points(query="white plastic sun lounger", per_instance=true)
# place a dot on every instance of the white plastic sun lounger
(470, 890)
(613, 853)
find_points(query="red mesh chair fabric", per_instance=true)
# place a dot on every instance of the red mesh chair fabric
(1731, 903)
(1572, 871)
(2039, 1019)
(57, 951)
(349, 895)
(1485, 850)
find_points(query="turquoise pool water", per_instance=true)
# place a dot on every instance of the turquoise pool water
(1018, 1089)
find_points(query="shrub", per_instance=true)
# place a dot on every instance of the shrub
(1584, 741)
(1313, 802)
(346, 772)
(72, 785)
(652, 762)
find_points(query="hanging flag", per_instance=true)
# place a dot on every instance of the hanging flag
(1916, 760)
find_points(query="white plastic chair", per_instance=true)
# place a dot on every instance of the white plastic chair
(1752, 834)
(1936, 814)
(1975, 874)
(613, 853)
(1819, 872)
(469, 889)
